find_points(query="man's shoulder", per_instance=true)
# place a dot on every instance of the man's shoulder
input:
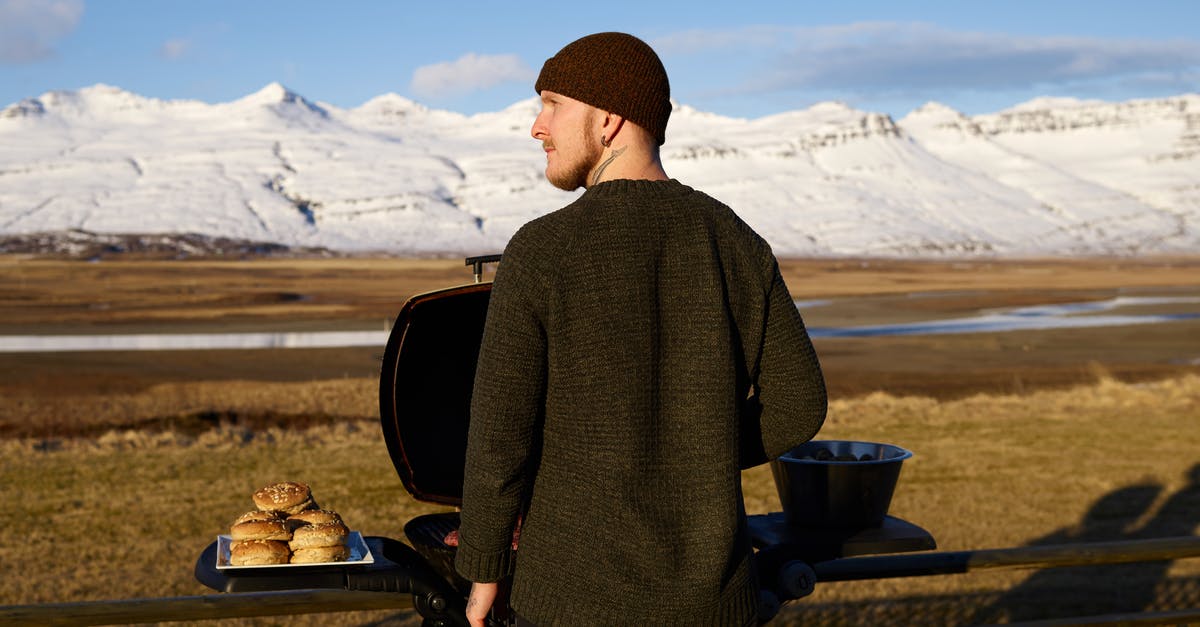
(543, 230)
(538, 242)
(729, 224)
(556, 229)
(592, 213)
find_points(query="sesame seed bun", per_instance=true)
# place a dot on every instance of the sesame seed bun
(324, 534)
(312, 517)
(258, 553)
(258, 515)
(260, 530)
(316, 555)
(287, 496)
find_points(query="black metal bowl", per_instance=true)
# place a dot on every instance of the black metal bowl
(838, 483)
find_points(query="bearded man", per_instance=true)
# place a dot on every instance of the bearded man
(640, 349)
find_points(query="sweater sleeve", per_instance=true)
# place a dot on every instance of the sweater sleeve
(790, 388)
(506, 406)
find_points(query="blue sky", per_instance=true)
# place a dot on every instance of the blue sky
(744, 59)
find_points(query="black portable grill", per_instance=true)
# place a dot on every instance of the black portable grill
(424, 397)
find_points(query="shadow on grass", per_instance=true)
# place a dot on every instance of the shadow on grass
(1055, 593)
(1106, 589)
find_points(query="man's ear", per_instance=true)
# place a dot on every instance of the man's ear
(612, 124)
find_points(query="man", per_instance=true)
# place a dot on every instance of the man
(640, 349)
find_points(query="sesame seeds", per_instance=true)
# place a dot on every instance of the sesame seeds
(281, 494)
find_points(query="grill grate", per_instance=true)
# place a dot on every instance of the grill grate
(427, 534)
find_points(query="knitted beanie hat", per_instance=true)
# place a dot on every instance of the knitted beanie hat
(614, 72)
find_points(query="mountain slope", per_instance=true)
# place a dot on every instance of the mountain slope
(1046, 177)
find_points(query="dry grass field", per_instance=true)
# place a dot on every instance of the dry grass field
(116, 469)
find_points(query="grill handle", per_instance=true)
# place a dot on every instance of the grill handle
(477, 264)
(434, 598)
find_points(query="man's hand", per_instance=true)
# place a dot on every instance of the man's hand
(479, 603)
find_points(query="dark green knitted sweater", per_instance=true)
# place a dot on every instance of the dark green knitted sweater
(640, 348)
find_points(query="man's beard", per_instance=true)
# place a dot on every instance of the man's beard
(571, 176)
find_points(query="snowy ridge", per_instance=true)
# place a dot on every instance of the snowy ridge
(1046, 177)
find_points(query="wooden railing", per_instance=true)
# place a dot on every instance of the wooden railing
(1049, 556)
(248, 604)
(203, 607)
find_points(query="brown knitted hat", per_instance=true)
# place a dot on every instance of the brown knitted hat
(614, 72)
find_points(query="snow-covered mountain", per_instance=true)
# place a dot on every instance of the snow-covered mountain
(1056, 177)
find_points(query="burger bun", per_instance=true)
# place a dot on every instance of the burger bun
(260, 530)
(321, 535)
(260, 515)
(321, 554)
(258, 553)
(312, 517)
(288, 497)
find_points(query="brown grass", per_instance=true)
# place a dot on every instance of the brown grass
(118, 468)
(125, 514)
(68, 294)
(189, 408)
(50, 394)
(857, 277)
(64, 294)
(1056, 466)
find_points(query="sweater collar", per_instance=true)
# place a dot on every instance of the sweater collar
(670, 187)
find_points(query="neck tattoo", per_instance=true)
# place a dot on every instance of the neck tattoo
(600, 170)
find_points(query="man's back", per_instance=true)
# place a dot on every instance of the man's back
(613, 400)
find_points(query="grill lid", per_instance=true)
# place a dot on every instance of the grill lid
(425, 388)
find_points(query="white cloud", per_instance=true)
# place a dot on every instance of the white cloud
(174, 48)
(874, 57)
(471, 72)
(29, 29)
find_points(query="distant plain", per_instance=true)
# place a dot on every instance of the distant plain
(40, 296)
(1017, 434)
